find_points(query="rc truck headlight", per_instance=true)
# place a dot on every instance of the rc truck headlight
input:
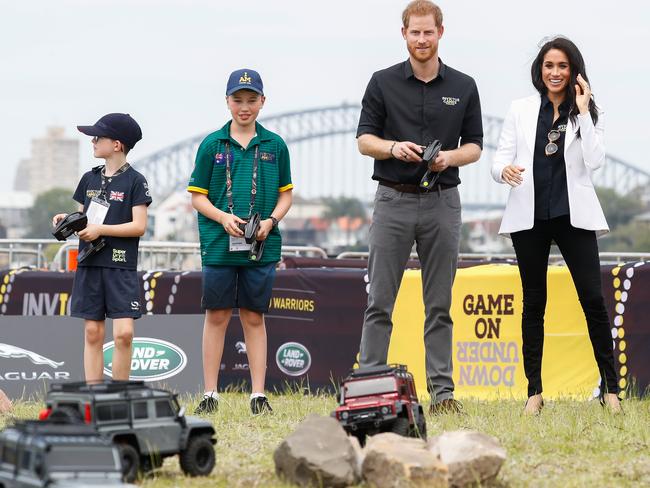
(384, 410)
(344, 415)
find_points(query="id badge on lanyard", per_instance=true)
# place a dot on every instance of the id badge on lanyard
(239, 244)
(97, 211)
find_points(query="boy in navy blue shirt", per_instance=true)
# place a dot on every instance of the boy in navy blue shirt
(106, 282)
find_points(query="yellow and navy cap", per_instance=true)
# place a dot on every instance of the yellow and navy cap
(244, 79)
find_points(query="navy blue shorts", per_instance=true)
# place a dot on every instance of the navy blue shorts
(246, 287)
(98, 293)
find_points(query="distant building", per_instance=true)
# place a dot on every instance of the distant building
(54, 163)
(303, 231)
(345, 233)
(333, 235)
(21, 178)
(14, 209)
(483, 235)
(302, 208)
(174, 219)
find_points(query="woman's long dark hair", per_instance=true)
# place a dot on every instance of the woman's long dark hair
(576, 65)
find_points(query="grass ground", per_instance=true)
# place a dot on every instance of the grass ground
(572, 444)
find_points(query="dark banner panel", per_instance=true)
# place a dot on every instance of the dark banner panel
(314, 329)
(627, 295)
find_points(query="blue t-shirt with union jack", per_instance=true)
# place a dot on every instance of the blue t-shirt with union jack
(123, 191)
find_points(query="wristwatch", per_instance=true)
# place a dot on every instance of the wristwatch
(274, 220)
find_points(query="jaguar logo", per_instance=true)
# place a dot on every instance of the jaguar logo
(241, 347)
(14, 352)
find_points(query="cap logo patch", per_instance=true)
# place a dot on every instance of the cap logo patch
(245, 79)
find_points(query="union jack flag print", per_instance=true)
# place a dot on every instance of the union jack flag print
(117, 196)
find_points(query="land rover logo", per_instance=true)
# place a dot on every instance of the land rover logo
(152, 359)
(293, 358)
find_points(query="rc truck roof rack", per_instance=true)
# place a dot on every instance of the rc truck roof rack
(45, 427)
(376, 370)
(103, 387)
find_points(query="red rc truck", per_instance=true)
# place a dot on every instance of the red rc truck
(380, 399)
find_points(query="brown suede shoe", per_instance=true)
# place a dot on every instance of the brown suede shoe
(448, 405)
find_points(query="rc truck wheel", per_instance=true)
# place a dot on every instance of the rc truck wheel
(361, 436)
(422, 428)
(198, 459)
(150, 463)
(130, 462)
(66, 415)
(400, 426)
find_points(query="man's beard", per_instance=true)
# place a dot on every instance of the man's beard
(421, 56)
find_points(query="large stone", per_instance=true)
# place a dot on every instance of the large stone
(471, 456)
(359, 455)
(393, 461)
(317, 453)
(5, 403)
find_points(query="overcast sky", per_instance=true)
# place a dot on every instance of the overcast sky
(67, 62)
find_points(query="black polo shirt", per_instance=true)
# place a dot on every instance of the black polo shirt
(549, 172)
(398, 106)
(123, 191)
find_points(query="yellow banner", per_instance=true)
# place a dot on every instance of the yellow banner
(486, 311)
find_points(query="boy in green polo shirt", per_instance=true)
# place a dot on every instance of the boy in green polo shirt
(240, 169)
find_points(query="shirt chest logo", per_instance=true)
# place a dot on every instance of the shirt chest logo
(92, 193)
(561, 127)
(267, 157)
(220, 157)
(450, 100)
(116, 196)
(119, 256)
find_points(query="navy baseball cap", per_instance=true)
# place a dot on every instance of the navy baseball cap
(120, 127)
(244, 79)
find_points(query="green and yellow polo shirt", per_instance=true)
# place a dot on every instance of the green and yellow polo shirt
(209, 178)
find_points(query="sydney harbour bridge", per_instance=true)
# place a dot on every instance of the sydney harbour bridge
(325, 161)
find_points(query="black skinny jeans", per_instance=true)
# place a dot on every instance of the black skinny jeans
(580, 252)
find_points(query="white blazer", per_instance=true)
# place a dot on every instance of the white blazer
(581, 156)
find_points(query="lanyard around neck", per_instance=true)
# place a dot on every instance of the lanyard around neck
(102, 173)
(231, 204)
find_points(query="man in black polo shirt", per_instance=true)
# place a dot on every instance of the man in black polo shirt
(405, 107)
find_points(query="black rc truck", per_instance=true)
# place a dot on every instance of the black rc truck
(146, 424)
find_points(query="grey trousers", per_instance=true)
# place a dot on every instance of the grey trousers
(431, 220)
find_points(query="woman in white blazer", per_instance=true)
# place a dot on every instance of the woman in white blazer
(549, 146)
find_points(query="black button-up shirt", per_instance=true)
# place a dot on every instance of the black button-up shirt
(398, 106)
(549, 172)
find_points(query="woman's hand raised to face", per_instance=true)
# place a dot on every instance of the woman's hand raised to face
(583, 94)
(512, 174)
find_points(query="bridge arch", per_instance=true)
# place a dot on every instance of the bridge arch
(326, 163)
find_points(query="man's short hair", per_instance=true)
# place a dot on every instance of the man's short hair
(422, 8)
